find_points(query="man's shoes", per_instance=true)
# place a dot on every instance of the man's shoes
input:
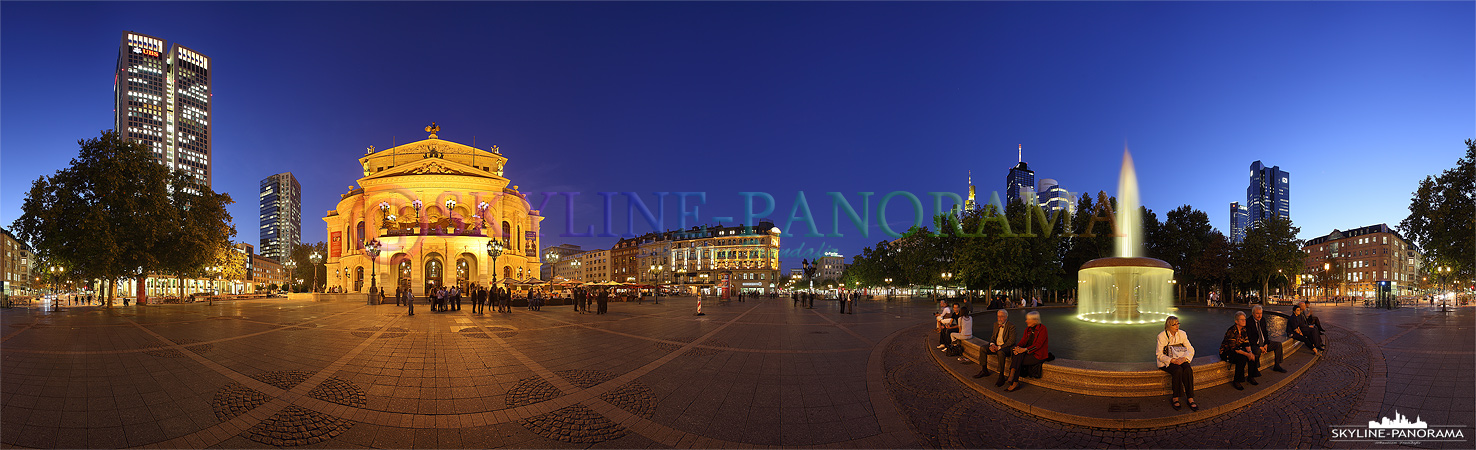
(1278, 369)
(940, 346)
(1252, 381)
(1237, 386)
(1001, 382)
(983, 373)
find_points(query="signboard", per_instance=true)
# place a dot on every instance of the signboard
(335, 244)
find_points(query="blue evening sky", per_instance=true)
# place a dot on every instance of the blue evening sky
(1359, 101)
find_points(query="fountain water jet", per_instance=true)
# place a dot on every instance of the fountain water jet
(1127, 288)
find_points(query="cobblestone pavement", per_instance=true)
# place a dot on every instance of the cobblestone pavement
(278, 373)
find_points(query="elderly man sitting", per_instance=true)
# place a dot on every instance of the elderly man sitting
(1001, 341)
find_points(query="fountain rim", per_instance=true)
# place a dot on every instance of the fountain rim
(1126, 261)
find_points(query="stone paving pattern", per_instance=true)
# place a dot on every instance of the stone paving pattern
(278, 373)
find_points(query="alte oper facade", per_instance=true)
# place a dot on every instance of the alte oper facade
(433, 206)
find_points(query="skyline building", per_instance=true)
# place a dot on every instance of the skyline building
(281, 216)
(1237, 222)
(161, 99)
(1020, 180)
(1053, 197)
(1269, 192)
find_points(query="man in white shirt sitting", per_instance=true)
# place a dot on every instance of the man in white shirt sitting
(1001, 340)
(945, 321)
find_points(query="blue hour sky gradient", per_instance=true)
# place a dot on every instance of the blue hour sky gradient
(1358, 101)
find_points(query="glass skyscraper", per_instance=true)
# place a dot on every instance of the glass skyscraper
(281, 216)
(1021, 180)
(162, 100)
(1269, 192)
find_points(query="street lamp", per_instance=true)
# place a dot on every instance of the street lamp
(656, 274)
(292, 269)
(55, 299)
(316, 258)
(372, 249)
(494, 249)
(889, 288)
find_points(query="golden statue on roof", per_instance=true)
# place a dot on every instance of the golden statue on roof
(432, 129)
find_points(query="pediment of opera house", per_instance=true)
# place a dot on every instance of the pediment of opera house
(463, 159)
(434, 170)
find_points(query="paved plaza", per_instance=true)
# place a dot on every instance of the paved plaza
(280, 373)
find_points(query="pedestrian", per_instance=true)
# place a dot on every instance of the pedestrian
(381, 296)
(409, 300)
(456, 298)
(604, 304)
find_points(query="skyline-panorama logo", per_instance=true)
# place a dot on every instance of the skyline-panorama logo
(1398, 430)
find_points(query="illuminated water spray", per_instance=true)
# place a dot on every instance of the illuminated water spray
(1127, 288)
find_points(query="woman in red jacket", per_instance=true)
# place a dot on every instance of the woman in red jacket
(1033, 348)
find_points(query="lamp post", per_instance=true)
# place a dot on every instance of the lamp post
(371, 248)
(291, 270)
(947, 279)
(889, 288)
(494, 249)
(316, 258)
(656, 274)
(55, 299)
(1444, 272)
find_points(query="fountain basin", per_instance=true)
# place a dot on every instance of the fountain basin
(1124, 290)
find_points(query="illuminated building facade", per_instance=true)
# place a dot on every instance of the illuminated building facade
(162, 100)
(1356, 262)
(281, 216)
(433, 206)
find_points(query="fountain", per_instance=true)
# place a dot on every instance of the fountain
(1127, 288)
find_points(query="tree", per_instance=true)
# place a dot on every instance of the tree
(1212, 266)
(201, 234)
(100, 216)
(1185, 234)
(1442, 217)
(1270, 249)
(305, 268)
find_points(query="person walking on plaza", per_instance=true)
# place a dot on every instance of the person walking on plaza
(1001, 342)
(1174, 353)
(456, 298)
(604, 303)
(399, 293)
(1235, 349)
(1260, 340)
(409, 300)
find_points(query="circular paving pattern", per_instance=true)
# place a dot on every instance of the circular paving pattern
(294, 426)
(472, 332)
(502, 332)
(575, 424)
(585, 379)
(529, 391)
(340, 391)
(909, 378)
(635, 397)
(283, 379)
(391, 332)
(235, 399)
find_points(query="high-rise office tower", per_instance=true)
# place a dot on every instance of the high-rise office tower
(1052, 197)
(1021, 180)
(1238, 222)
(281, 216)
(162, 100)
(1269, 193)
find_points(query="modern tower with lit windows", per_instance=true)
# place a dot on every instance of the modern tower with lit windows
(281, 216)
(162, 100)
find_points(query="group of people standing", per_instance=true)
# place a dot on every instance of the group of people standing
(584, 297)
(449, 299)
